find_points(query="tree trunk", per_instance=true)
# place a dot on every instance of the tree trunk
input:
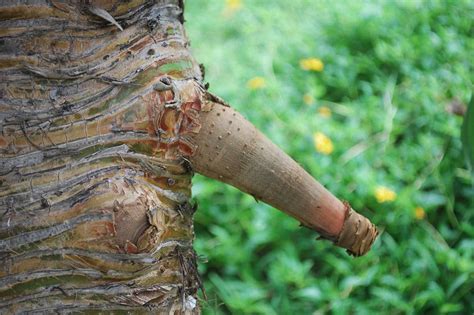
(104, 117)
(95, 208)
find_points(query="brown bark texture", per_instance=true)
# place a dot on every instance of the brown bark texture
(104, 118)
(94, 197)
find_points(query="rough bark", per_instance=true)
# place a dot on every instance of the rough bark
(95, 206)
(104, 116)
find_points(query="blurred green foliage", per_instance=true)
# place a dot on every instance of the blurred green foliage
(390, 71)
(467, 134)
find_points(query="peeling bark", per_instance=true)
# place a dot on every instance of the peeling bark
(95, 202)
(104, 117)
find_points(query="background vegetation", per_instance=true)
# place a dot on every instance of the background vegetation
(361, 94)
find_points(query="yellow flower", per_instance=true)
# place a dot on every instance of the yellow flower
(384, 194)
(308, 99)
(312, 64)
(231, 6)
(324, 111)
(256, 83)
(420, 213)
(322, 143)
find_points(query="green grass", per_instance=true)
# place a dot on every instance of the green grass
(390, 69)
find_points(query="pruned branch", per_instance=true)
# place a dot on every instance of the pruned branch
(232, 150)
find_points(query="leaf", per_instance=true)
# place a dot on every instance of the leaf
(459, 281)
(451, 308)
(310, 293)
(467, 134)
(105, 15)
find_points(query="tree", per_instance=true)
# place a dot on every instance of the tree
(104, 118)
